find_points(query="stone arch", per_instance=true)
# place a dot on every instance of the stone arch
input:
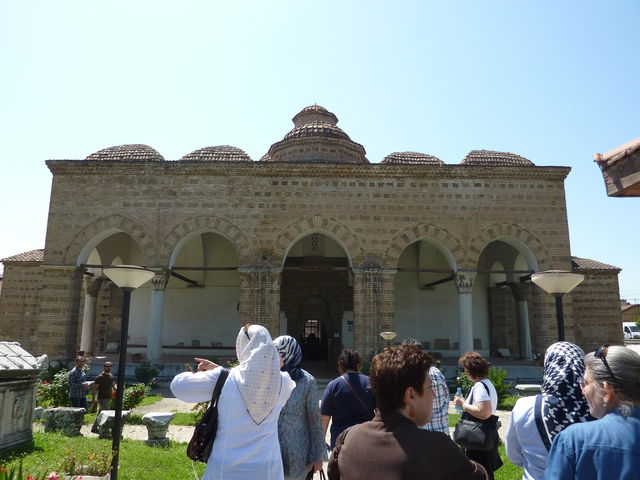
(506, 231)
(79, 249)
(207, 223)
(450, 245)
(318, 224)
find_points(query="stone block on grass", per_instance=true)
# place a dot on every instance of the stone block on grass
(157, 424)
(67, 420)
(103, 424)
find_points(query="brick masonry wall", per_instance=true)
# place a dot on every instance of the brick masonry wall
(372, 210)
(596, 309)
(19, 304)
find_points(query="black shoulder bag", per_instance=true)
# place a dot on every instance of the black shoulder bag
(475, 434)
(204, 434)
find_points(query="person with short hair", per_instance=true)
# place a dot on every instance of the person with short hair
(347, 400)
(77, 384)
(440, 416)
(391, 446)
(103, 386)
(608, 447)
(481, 403)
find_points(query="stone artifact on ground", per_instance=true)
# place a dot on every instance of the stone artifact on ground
(67, 420)
(19, 372)
(103, 424)
(157, 424)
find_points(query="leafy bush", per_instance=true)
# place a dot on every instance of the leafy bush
(508, 402)
(54, 393)
(146, 373)
(52, 370)
(498, 377)
(133, 395)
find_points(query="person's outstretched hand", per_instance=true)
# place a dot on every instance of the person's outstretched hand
(204, 364)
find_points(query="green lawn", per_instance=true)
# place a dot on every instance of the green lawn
(48, 451)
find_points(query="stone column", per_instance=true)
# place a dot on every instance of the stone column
(526, 352)
(156, 316)
(92, 288)
(260, 294)
(373, 310)
(524, 333)
(464, 284)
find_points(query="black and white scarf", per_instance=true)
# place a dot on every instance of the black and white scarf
(561, 403)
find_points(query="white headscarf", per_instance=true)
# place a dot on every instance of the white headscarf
(258, 375)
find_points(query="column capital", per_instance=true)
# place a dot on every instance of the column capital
(160, 280)
(373, 264)
(464, 280)
(260, 264)
(93, 285)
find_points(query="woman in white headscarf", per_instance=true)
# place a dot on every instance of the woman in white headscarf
(246, 444)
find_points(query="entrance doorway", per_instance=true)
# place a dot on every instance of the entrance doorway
(315, 294)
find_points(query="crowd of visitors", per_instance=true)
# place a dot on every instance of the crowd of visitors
(585, 424)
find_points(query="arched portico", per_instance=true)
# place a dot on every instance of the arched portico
(109, 247)
(316, 297)
(194, 303)
(426, 298)
(503, 294)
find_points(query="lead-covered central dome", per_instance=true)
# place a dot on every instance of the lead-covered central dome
(316, 138)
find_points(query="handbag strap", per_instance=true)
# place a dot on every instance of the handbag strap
(485, 387)
(537, 415)
(218, 388)
(364, 405)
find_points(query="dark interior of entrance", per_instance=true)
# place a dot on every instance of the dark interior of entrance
(315, 293)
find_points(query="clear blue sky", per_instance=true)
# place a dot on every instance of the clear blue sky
(552, 81)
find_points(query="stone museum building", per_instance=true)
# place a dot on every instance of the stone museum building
(312, 238)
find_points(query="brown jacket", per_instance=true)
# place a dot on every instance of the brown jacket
(393, 448)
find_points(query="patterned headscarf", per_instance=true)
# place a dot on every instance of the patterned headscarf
(563, 403)
(289, 349)
(258, 375)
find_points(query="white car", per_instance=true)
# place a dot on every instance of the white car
(631, 330)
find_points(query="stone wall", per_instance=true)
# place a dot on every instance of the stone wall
(373, 211)
(19, 304)
(596, 309)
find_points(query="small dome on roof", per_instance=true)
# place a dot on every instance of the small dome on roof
(219, 153)
(415, 158)
(317, 129)
(497, 159)
(315, 138)
(127, 152)
(314, 113)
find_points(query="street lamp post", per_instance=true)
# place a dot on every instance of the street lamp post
(388, 336)
(128, 278)
(557, 283)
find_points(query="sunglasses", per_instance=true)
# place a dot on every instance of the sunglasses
(601, 353)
